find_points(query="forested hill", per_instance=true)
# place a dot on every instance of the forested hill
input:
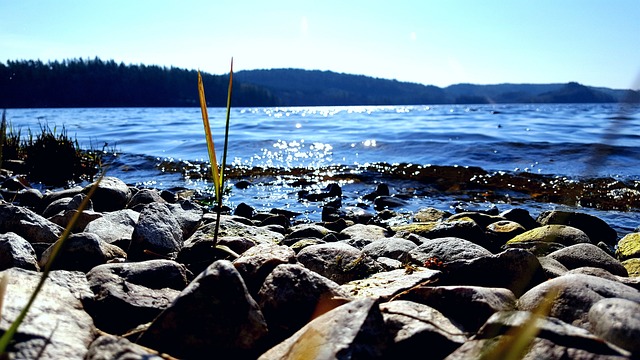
(97, 83)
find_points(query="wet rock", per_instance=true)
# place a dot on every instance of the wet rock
(338, 262)
(56, 326)
(581, 255)
(430, 215)
(277, 220)
(81, 252)
(393, 248)
(213, 315)
(130, 294)
(499, 232)
(157, 234)
(633, 266)
(143, 197)
(257, 262)
(308, 231)
(546, 239)
(447, 249)
(112, 194)
(629, 247)
(51, 196)
(244, 210)
(15, 251)
(381, 190)
(576, 294)
(388, 202)
(617, 321)
(522, 217)
(469, 306)
(109, 347)
(482, 219)
(292, 295)
(355, 330)
(114, 226)
(412, 325)
(596, 229)
(388, 284)
(26, 223)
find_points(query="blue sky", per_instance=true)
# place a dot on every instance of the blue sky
(594, 42)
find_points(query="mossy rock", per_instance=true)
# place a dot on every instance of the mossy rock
(418, 228)
(561, 234)
(629, 247)
(633, 267)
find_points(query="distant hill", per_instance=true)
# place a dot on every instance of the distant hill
(97, 83)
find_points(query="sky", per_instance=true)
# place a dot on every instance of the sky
(593, 42)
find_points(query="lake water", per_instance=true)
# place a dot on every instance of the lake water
(568, 140)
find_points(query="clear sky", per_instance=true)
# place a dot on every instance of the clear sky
(593, 42)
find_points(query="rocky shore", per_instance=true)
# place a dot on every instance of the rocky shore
(140, 279)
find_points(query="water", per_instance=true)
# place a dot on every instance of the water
(575, 141)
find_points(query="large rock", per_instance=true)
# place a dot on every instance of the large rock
(447, 249)
(617, 321)
(629, 247)
(581, 255)
(130, 294)
(114, 226)
(26, 223)
(633, 267)
(213, 315)
(189, 216)
(15, 251)
(82, 252)
(338, 262)
(109, 347)
(596, 229)
(546, 239)
(360, 235)
(463, 228)
(355, 330)
(393, 248)
(112, 194)
(256, 263)
(386, 285)
(499, 232)
(56, 326)
(157, 234)
(231, 227)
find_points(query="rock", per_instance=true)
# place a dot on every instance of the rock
(112, 194)
(481, 219)
(109, 347)
(157, 234)
(361, 235)
(256, 263)
(114, 226)
(430, 215)
(81, 252)
(522, 217)
(64, 219)
(633, 266)
(617, 321)
(555, 340)
(229, 227)
(388, 202)
(338, 262)
(447, 249)
(213, 315)
(552, 268)
(381, 190)
(629, 247)
(355, 330)
(15, 251)
(463, 228)
(292, 295)
(596, 229)
(576, 294)
(55, 207)
(31, 226)
(499, 232)
(143, 197)
(189, 216)
(277, 220)
(602, 273)
(131, 294)
(56, 326)
(546, 239)
(469, 306)
(244, 210)
(388, 284)
(412, 325)
(581, 255)
(303, 231)
(393, 248)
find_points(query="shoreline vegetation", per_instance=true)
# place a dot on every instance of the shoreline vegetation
(98, 83)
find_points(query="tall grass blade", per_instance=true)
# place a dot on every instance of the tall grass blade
(10, 333)
(210, 146)
(3, 134)
(226, 131)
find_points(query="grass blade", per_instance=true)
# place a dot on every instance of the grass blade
(210, 146)
(226, 131)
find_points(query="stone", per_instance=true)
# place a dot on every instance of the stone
(110, 347)
(64, 219)
(617, 321)
(15, 251)
(388, 284)
(230, 227)
(581, 255)
(114, 226)
(26, 223)
(633, 282)
(292, 295)
(546, 239)
(447, 249)
(481, 219)
(430, 215)
(388, 202)
(576, 293)
(393, 248)
(256, 263)
(355, 330)
(189, 215)
(462, 228)
(111, 194)
(81, 252)
(521, 216)
(56, 206)
(213, 315)
(364, 234)
(595, 228)
(131, 294)
(56, 326)
(499, 232)
(157, 234)
(629, 247)
(143, 197)
(552, 268)
(338, 262)
(412, 325)
(633, 267)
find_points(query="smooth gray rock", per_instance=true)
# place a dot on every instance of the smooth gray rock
(552, 268)
(581, 255)
(81, 252)
(189, 216)
(355, 330)
(617, 321)
(388, 284)
(596, 229)
(338, 262)
(576, 293)
(292, 295)
(109, 347)
(393, 248)
(114, 226)
(230, 227)
(157, 234)
(213, 315)
(521, 216)
(412, 325)
(64, 219)
(631, 281)
(360, 235)
(56, 326)
(499, 232)
(256, 263)
(15, 251)
(143, 197)
(547, 239)
(447, 249)
(112, 194)
(26, 223)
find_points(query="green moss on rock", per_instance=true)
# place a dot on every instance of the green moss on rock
(561, 234)
(633, 267)
(629, 247)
